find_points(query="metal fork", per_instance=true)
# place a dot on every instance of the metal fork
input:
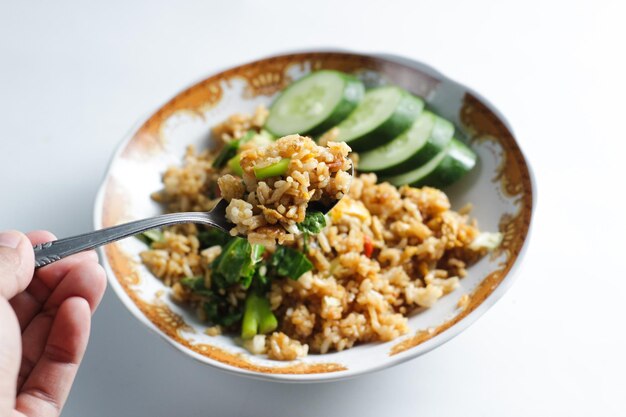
(49, 252)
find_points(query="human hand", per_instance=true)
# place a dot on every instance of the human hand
(45, 317)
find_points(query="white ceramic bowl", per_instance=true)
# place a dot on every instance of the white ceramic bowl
(501, 188)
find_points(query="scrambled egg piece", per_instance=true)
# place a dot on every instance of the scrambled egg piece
(349, 207)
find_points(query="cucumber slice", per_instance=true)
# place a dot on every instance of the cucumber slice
(314, 103)
(445, 168)
(383, 114)
(428, 136)
(419, 173)
(458, 162)
(274, 170)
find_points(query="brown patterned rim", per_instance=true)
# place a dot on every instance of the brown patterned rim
(265, 77)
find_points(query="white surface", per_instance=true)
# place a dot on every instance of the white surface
(75, 77)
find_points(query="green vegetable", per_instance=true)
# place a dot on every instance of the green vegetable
(150, 236)
(290, 263)
(260, 280)
(230, 264)
(220, 311)
(213, 237)
(314, 103)
(383, 114)
(442, 170)
(256, 256)
(196, 284)
(263, 138)
(428, 136)
(235, 166)
(257, 317)
(274, 170)
(239, 263)
(230, 149)
(247, 137)
(236, 263)
(313, 223)
(216, 307)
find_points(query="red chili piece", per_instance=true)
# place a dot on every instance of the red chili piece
(368, 247)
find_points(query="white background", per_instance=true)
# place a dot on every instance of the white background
(74, 77)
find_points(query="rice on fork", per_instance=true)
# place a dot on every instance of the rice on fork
(279, 182)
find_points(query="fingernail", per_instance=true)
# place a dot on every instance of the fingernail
(10, 239)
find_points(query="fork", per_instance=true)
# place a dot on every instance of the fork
(49, 252)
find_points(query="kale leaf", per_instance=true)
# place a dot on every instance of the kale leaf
(220, 311)
(288, 262)
(313, 223)
(196, 285)
(150, 236)
(213, 237)
(216, 307)
(236, 263)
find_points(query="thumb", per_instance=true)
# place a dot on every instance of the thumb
(17, 263)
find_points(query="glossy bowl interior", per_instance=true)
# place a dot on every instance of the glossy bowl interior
(500, 187)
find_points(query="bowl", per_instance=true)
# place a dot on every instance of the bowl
(501, 186)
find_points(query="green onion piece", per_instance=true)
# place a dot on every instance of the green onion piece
(235, 166)
(228, 151)
(257, 317)
(263, 138)
(247, 137)
(274, 170)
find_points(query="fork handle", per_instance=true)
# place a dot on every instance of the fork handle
(49, 252)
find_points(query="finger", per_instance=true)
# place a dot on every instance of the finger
(40, 236)
(28, 303)
(33, 343)
(10, 352)
(17, 263)
(87, 281)
(46, 389)
(52, 274)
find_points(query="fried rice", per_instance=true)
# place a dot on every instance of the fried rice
(384, 254)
